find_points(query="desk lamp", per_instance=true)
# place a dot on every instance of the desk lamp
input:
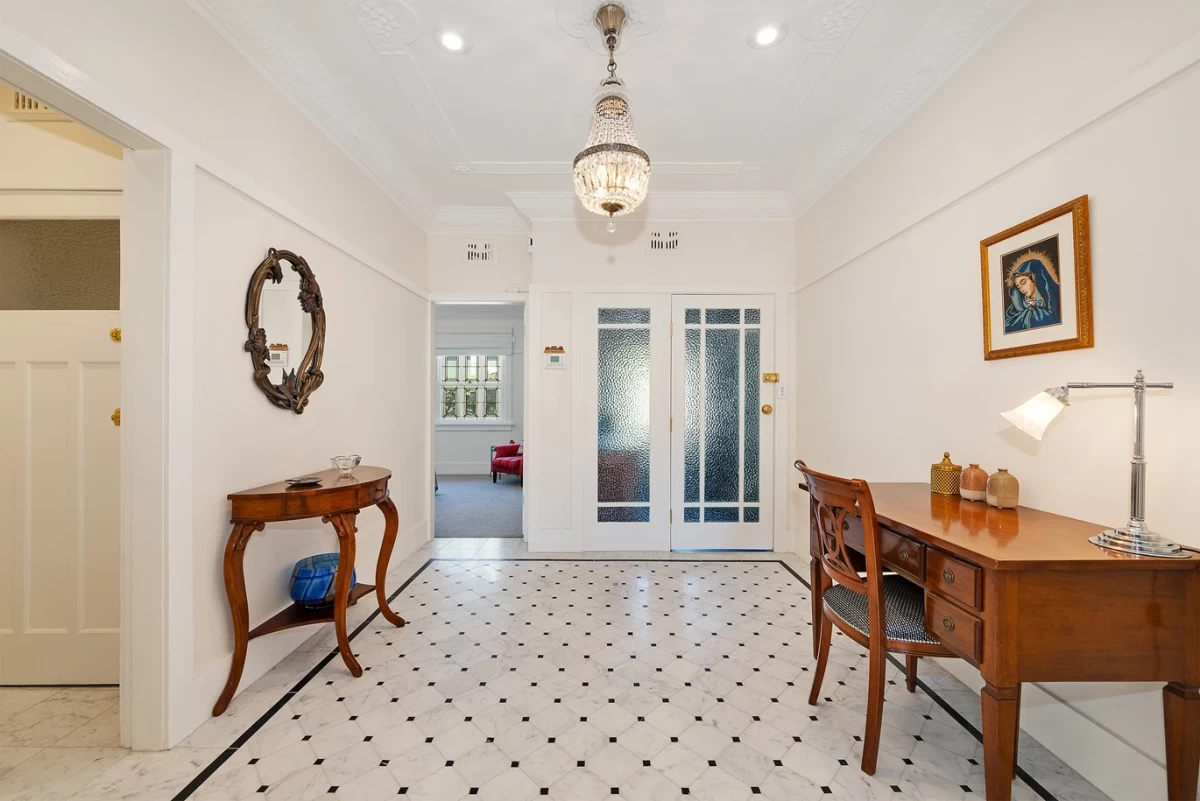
(1034, 415)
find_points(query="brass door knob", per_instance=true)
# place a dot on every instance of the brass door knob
(116, 417)
(767, 408)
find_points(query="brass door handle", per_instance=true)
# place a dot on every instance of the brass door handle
(116, 417)
(767, 408)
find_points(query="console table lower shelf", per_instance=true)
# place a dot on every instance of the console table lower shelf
(336, 501)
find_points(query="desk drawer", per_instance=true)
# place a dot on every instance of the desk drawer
(953, 578)
(902, 554)
(958, 630)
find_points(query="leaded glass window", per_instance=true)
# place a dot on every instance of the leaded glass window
(472, 387)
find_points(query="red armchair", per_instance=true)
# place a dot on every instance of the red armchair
(508, 459)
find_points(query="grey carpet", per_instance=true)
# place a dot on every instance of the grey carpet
(472, 506)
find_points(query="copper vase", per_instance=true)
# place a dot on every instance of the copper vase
(972, 485)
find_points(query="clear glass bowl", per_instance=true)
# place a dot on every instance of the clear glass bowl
(346, 464)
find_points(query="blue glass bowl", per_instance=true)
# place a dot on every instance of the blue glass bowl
(313, 580)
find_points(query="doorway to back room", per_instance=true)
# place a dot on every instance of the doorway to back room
(478, 364)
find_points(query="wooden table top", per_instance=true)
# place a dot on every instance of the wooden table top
(1004, 539)
(363, 474)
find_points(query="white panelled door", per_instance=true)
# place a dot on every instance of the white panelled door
(626, 413)
(722, 438)
(60, 508)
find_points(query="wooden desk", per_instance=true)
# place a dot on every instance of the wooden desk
(1022, 595)
(337, 501)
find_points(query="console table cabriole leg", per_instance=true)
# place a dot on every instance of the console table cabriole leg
(343, 523)
(391, 526)
(239, 610)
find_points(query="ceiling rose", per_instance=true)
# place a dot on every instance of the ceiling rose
(612, 173)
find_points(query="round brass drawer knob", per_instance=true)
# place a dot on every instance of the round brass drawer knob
(947, 575)
(904, 554)
(948, 623)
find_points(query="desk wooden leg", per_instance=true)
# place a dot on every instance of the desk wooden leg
(344, 525)
(1181, 713)
(391, 525)
(1000, 705)
(239, 610)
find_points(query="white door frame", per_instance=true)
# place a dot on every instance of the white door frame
(551, 539)
(155, 311)
(432, 389)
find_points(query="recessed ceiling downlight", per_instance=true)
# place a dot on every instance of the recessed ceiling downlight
(452, 40)
(766, 36)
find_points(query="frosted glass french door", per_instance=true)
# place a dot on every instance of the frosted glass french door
(722, 435)
(626, 417)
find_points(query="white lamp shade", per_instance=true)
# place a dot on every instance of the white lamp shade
(1035, 414)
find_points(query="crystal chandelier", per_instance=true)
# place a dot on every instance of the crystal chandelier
(612, 174)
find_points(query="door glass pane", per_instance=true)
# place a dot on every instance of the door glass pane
(722, 379)
(622, 514)
(753, 316)
(720, 514)
(750, 479)
(750, 514)
(623, 316)
(722, 316)
(691, 317)
(691, 514)
(623, 410)
(691, 436)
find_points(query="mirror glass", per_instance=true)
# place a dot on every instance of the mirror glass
(289, 328)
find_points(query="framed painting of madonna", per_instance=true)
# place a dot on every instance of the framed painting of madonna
(1037, 285)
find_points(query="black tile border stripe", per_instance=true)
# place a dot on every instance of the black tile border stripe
(245, 736)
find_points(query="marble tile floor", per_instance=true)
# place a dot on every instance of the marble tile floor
(683, 674)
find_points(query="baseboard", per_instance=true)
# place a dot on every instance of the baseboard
(1115, 766)
(267, 652)
(464, 468)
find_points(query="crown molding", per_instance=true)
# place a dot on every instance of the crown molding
(479, 219)
(663, 207)
(264, 38)
(951, 36)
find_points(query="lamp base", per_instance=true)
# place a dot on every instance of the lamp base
(1142, 543)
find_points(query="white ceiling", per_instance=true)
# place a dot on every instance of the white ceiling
(774, 128)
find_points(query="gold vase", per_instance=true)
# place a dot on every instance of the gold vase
(1003, 489)
(943, 477)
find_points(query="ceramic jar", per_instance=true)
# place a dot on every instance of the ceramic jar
(972, 485)
(1002, 489)
(943, 477)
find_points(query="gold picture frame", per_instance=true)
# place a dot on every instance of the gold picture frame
(1035, 288)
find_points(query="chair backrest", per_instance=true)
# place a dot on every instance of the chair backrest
(833, 502)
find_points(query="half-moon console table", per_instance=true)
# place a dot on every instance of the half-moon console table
(335, 500)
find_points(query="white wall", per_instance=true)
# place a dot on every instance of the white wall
(57, 170)
(465, 448)
(162, 69)
(889, 324)
(449, 272)
(377, 341)
(570, 258)
(168, 61)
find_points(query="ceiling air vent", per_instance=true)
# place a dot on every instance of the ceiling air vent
(479, 252)
(664, 242)
(21, 106)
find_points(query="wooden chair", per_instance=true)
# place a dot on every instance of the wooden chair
(880, 612)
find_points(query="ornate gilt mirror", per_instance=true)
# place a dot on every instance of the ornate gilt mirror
(286, 322)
